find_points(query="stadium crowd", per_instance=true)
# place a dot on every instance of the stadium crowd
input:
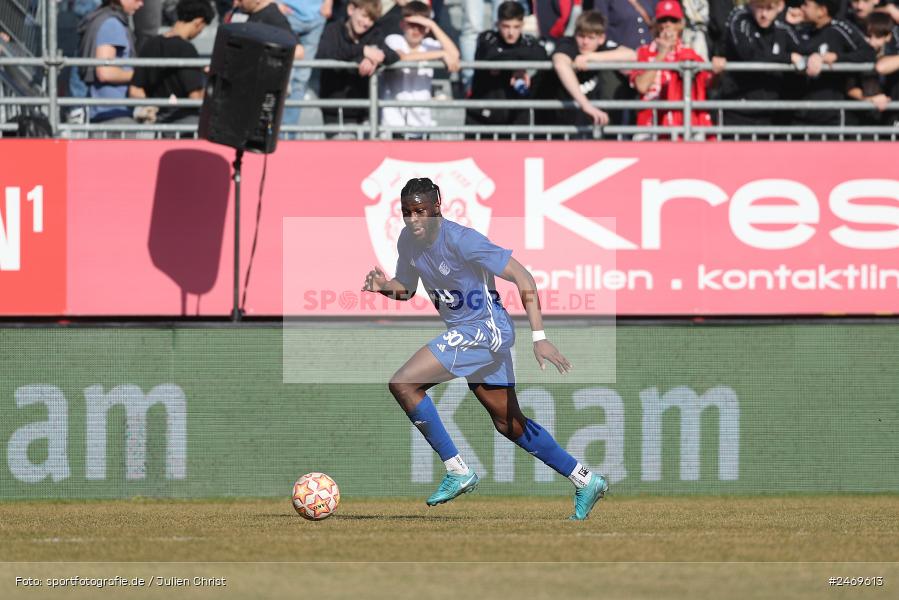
(572, 34)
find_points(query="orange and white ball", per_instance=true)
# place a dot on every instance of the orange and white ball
(315, 496)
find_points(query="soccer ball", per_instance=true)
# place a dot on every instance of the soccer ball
(315, 496)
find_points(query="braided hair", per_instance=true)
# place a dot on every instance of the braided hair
(421, 188)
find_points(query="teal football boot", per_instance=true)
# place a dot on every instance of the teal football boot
(453, 485)
(586, 497)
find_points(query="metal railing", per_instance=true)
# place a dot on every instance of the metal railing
(454, 127)
(21, 21)
(23, 37)
(373, 128)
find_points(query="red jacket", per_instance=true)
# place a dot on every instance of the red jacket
(669, 86)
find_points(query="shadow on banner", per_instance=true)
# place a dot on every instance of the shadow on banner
(188, 221)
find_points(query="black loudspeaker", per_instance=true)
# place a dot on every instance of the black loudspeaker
(247, 86)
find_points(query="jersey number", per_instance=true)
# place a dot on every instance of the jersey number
(453, 299)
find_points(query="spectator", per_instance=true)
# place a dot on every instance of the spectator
(696, 26)
(719, 11)
(70, 15)
(860, 10)
(414, 83)
(105, 35)
(827, 41)
(307, 21)
(177, 82)
(473, 24)
(356, 39)
(754, 34)
(888, 68)
(664, 84)
(571, 79)
(505, 43)
(259, 11)
(874, 87)
(267, 12)
(628, 22)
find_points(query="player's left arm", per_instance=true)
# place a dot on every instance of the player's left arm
(527, 288)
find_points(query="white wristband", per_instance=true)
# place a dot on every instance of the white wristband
(538, 335)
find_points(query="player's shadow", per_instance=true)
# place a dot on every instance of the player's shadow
(188, 221)
(344, 517)
(400, 517)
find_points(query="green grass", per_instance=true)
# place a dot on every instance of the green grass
(644, 543)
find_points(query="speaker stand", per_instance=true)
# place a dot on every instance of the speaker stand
(236, 313)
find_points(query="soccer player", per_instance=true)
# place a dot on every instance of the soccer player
(457, 266)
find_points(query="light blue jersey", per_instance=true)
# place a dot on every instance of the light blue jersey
(458, 272)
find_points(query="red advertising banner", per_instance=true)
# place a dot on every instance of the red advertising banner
(151, 229)
(630, 229)
(32, 227)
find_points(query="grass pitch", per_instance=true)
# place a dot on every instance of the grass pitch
(631, 547)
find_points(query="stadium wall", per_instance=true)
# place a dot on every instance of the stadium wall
(92, 412)
(144, 228)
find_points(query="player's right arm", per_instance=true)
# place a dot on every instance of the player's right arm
(376, 281)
